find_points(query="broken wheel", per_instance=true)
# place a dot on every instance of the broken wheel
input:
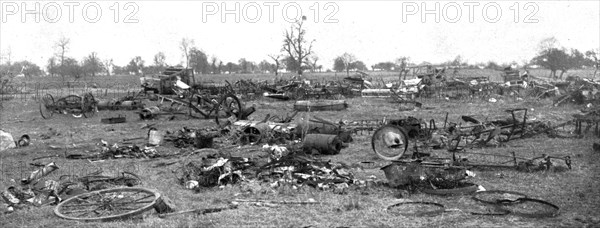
(229, 110)
(108, 204)
(390, 142)
(45, 106)
(88, 105)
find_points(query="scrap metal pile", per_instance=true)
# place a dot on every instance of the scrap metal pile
(35, 191)
(289, 147)
(445, 175)
(301, 90)
(178, 87)
(213, 170)
(391, 140)
(284, 168)
(577, 91)
(115, 151)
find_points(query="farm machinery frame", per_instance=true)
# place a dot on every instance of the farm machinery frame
(75, 105)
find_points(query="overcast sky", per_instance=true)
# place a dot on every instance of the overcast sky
(374, 31)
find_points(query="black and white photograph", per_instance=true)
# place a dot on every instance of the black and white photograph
(307, 113)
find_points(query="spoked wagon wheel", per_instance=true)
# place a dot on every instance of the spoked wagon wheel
(389, 142)
(88, 105)
(108, 204)
(46, 106)
(229, 108)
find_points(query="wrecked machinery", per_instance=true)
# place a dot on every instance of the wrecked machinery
(75, 105)
(391, 140)
(299, 90)
(195, 105)
(274, 129)
(178, 86)
(429, 74)
(164, 83)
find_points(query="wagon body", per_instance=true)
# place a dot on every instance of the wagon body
(163, 83)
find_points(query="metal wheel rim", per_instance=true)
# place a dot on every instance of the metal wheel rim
(59, 209)
(385, 151)
(229, 107)
(88, 105)
(532, 213)
(477, 196)
(47, 100)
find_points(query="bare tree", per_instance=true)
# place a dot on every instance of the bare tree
(402, 63)
(313, 63)
(554, 57)
(296, 45)
(92, 64)
(199, 61)
(107, 65)
(185, 45)
(347, 59)
(548, 44)
(135, 66)
(213, 65)
(52, 66)
(63, 45)
(276, 58)
(593, 57)
(159, 59)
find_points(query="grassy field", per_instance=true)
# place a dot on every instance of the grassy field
(576, 191)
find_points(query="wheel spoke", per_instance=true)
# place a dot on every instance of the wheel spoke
(107, 204)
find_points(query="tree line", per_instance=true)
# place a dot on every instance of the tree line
(296, 55)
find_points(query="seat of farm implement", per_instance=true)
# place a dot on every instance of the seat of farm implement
(591, 120)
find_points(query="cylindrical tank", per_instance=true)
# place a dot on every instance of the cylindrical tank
(325, 144)
(149, 112)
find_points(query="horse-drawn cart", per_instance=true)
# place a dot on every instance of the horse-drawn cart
(75, 105)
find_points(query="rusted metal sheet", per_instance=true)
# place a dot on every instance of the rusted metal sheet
(321, 105)
(114, 120)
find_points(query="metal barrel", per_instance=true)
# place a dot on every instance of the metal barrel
(149, 112)
(325, 144)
